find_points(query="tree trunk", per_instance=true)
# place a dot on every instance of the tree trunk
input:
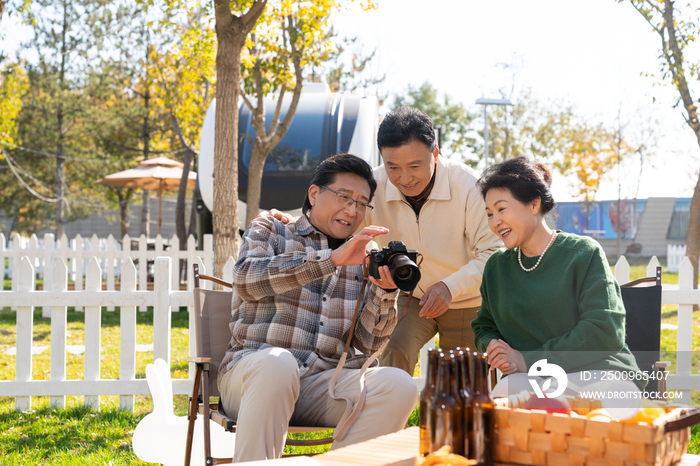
(2, 9)
(693, 239)
(60, 175)
(675, 62)
(180, 228)
(255, 174)
(231, 32)
(123, 211)
(146, 208)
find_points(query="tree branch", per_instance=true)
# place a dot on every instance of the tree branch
(252, 15)
(296, 59)
(276, 116)
(647, 18)
(677, 71)
(247, 102)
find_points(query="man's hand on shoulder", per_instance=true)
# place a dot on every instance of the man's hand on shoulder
(435, 301)
(281, 216)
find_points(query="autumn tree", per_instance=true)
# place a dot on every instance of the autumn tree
(588, 157)
(454, 119)
(187, 81)
(289, 36)
(13, 86)
(64, 41)
(530, 127)
(676, 25)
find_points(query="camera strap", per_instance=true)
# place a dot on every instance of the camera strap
(351, 412)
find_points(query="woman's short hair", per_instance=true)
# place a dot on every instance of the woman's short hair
(340, 163)
(525, 179)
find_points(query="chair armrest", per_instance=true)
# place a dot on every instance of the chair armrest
(199, 360)
(662, 364)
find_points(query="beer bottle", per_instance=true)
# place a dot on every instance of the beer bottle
(481, 415)
(426, 397)
(463, 357)
(446, 412)
(458, 375)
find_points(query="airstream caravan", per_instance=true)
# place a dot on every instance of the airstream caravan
(324, 124)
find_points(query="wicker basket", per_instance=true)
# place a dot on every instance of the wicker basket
(540, 438)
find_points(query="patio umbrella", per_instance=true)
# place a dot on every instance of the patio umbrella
(161, 173)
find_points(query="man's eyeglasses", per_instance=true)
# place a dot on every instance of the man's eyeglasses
(347, 201)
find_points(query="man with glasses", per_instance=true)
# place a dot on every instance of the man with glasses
(296, 286)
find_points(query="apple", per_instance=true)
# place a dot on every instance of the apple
(551, 405)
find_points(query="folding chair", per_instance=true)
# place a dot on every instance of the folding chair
(212, 316)
(643, 328)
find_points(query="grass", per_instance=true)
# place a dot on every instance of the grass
(78, 436)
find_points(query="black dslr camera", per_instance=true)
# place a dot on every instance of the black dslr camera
(401, 263)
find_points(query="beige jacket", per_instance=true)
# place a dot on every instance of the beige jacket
(451, 231)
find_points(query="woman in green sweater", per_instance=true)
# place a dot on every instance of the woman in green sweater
(549, 295)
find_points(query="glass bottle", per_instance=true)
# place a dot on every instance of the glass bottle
(481, 415)
(446, 412)
(458, 374)
(426, 397)
(466, 386)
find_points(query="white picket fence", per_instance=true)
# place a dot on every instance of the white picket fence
(163, 297)
(110, 254)
(675, 253)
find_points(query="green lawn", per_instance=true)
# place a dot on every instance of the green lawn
(76, 436)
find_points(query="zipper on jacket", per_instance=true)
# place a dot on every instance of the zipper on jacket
(420, 237)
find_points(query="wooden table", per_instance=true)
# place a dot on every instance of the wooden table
(400, 449)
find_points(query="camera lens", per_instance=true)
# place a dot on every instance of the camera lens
(404, 272)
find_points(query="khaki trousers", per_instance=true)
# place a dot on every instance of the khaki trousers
(413, 332)
(264, 393)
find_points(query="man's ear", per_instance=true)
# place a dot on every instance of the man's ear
(313, 193)
(436, 152)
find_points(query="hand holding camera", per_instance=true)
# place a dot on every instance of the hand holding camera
(400, 262)
(353, 251)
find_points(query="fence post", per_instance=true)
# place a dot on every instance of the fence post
(15, 260)
(79, 266)
(93, 339)
(174, 255)
(59, 331)
(94, 245)
(685, 328)
(127, 323)
(25, 331)
(32, 254)
(161, 310)
(143, 267)
(651, 267)
(48, 271)
(109, 266)
(622, 271)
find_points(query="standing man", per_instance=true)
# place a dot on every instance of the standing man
(296, 286)
(433, 206)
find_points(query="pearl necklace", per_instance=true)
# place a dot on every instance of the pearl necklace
(520, 260)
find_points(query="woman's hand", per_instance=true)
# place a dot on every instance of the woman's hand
(503, 357)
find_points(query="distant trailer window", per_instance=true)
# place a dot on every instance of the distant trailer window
(678, 228)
